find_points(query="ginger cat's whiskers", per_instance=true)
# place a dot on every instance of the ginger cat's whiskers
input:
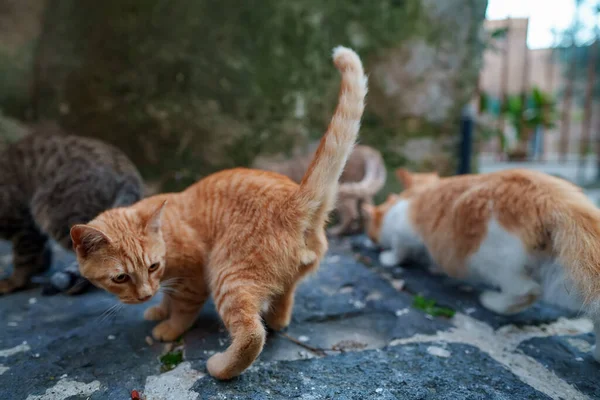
(246, 237)
(109, 313)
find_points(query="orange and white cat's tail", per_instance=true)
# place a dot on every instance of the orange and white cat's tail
(318, 189)
(575, 234)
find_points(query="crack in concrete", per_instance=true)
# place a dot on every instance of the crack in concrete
(502, 345)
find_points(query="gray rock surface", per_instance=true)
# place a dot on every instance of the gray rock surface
(355, 335)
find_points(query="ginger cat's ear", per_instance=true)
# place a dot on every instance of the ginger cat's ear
(87, 239)
(405, 177)
(154, 222)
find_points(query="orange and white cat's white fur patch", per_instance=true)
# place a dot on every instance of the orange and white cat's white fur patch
(528, 234)
(246, 237)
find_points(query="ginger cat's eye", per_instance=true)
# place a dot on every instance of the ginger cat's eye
(153, 267)
(121, 278)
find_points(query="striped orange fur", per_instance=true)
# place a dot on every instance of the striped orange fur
(245, 236)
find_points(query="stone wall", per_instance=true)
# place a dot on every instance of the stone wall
(205, 85)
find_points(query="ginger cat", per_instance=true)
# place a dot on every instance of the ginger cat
(527, 233)
(363, 178)
(245, 236)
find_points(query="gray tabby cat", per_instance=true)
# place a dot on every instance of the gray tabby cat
(50, 183)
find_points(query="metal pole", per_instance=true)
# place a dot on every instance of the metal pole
(466, 142)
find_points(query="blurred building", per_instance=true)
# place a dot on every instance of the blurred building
(510, 67)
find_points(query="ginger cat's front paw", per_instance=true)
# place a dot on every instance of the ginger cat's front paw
(156, 313)
(166, 332)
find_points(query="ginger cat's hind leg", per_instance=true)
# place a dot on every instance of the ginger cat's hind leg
(239, 309)
(279, 315)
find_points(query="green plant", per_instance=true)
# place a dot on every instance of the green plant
(428, 306)
(524, 112)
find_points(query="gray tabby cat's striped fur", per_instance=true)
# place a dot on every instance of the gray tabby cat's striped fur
(49, 183)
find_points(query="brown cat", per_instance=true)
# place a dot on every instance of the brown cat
(246, 236)
(50, 183)
(529, 234)
(363, 177)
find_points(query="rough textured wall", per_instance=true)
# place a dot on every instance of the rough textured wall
(202, 85)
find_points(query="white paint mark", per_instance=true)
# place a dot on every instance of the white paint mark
(402, 312)
(15, 350)
(175, 384)
(3, 369)
(438, 352)
(501, 345)
(303, 338)
(111, 337)
(66, 388)
(580, 345)
(32, 300)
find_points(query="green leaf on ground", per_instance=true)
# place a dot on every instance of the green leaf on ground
(428, 306)
(171, 360)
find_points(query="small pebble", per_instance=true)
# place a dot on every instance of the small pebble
(398, 284)
(402, 312)
(149, 341)
(36, 355)
(111, 337)
(438, 352)
(333, 259)
(378, 390)
(32, 300)
(303, 338)
(63, 376)
(358, 304)
(12, 324)
(470, 310)
(579, 359)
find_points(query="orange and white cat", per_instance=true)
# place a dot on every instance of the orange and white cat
(245, 236)
(526, 233)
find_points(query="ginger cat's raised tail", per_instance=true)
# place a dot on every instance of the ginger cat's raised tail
(317, 192)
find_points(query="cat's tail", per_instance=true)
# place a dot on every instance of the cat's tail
(574, 228)
(316, 195)
(372, 182)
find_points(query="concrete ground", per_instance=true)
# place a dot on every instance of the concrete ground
(356, 334)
